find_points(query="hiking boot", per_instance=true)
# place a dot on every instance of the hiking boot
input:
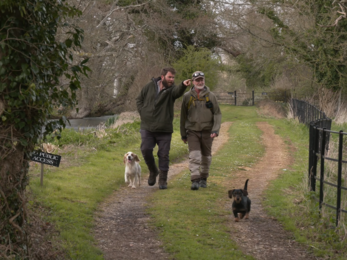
(153, 173)
(203, 183)
(163, 180)
(195, 185)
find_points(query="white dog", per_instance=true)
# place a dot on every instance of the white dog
(132, 169)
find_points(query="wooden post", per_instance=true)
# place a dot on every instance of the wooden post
(41, 174)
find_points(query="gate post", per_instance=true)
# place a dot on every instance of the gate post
(313, 173)
(339, 178)
(322, 155)
(252, 97)
(235, 97)
(310, 155)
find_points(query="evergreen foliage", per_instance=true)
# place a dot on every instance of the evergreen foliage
(181, 18)
(33, 60)
(198, 59)
(256, 76)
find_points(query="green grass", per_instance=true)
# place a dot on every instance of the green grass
(192, 225)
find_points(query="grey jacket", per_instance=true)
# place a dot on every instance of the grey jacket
(196, 116)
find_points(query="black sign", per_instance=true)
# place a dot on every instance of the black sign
(46, 158)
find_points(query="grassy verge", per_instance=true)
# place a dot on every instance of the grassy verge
(291, 202)
(72, 191)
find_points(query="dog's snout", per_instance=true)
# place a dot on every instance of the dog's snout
(129, 157)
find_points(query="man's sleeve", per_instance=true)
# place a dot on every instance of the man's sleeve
(140, 100)
(179, 90)
(217, 116)
(184, 111)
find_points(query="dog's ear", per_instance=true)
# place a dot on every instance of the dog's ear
(230, 192)
(136, 158)
(124, 158)
(245, 193)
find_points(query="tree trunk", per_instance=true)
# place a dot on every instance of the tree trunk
(13, 181)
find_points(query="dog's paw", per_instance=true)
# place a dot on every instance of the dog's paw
(237, 220)
(133, 187)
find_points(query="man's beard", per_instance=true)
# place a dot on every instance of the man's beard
(200, 87)
(166, 84)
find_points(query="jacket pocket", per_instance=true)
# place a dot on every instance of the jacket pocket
(146, 113)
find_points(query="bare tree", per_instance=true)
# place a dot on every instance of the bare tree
(127, 45)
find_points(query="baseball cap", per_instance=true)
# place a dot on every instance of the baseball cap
(198, 74)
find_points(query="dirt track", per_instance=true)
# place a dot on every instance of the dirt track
(261, 236)
(122, 230)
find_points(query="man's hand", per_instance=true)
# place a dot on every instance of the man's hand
(213, 135)
(187, 82)
(184, 140)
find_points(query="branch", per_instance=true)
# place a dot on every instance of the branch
(343, 15)
(118, 8)
(5, 199)
(86, 6)
(232, 52)
(14, 224)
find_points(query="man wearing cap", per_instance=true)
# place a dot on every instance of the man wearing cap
(200, 123)
(155, 104)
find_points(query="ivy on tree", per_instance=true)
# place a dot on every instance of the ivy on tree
(37, 74)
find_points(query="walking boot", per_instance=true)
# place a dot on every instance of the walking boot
(203, 183)
(163, 180)
(153, 173)
(195, 184)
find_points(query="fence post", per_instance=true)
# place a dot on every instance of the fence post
(235, 96)
(314, 158)
(252, 97)
(339, 178)
(295, 113)
(310, 156)
(322, 154)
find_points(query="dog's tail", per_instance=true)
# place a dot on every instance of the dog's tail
(245, 188)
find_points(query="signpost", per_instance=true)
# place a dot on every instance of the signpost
(45, 158)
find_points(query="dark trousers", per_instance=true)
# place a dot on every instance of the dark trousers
(149, 140)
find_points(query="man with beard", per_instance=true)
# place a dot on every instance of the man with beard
(155, 103)
(200, 123)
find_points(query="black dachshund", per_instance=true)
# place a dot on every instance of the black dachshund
(242, 204)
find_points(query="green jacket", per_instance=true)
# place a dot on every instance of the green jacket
(157, 109)
(196, 116)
